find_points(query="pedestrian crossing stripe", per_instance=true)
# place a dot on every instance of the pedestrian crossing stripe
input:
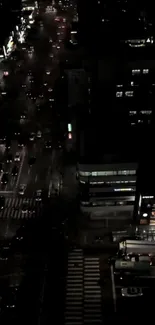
(83, 291)
(13, 208)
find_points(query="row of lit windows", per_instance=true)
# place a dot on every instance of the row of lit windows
(113, 182)
(110, 183)
(108, 173)
(106, 203)
(126, 93)
(138, 71)
(149, 112)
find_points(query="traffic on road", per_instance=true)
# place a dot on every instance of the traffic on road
(30, 150)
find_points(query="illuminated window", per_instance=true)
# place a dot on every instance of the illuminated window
(81, 173)
(135, 71)
(132, 112)
(119, 86)
(129, 93)
(127, 172)
(146, 112)
(104, 173)
(108, 173)
(123, 189)
(119, 93)
(145, 71)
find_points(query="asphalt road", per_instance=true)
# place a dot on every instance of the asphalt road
(44, 65)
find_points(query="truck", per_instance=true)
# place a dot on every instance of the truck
(139, 247)
(121, 265)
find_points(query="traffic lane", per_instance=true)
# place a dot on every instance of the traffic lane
(8, 166)
(124, 305)
(15, 79)
(8, 230)
(32, 150)
(40, 174)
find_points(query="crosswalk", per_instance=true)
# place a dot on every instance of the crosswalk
(83, 303)
(14, 208)
(92, 291)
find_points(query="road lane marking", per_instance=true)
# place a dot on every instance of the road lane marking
(36, 178)
(113, 287)
(20, 169)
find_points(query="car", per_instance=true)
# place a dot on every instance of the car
(22, 188)
(25, 207)
(29, 73)
(14, 171)
(131, 292)
(10, 300)
(8, 144)
(17, 156)
(21, 142)
(48, 144)
(28, 93)
(38, 107)
(48, 72)
(4, 179)
(33, 97)
(31, 80)
(50, 89)
(17, 132)
(3, 139)
(1, 168)
(39, 134)
(23, 117)
(23, 85)
(32, 136)
(2, 202)
(9, 158)
(5, 252)
(59, 145)
(38, 196)
(31, 161)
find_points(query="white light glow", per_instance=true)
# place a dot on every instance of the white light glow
(123, 189)
(69, 127)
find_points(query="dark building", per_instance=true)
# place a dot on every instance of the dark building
(9, 17)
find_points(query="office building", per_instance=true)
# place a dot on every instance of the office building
(107, 182)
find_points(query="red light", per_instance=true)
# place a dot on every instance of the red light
(69, 135)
